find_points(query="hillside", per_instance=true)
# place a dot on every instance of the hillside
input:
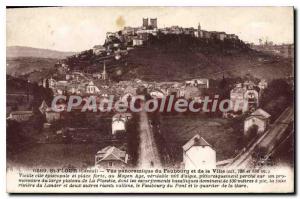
(32, 63)
(177, 57)
(32, 68)
(165, 58)
(23, 51)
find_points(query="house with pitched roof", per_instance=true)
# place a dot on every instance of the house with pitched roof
(136, 41)
(190, 92)
(111, 157)
(198, 154)
(20, 116)
(52, 115)
(157, 93)
(244, 97)
(119, 121)
(252, 98)
(129, 92)
(91, 88)
(263, 84)
(202, 83)
(260, 118)
(237, 98)
(99, 49)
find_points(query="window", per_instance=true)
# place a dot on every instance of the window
(110, 164)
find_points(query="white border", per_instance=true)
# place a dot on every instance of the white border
(150, 3)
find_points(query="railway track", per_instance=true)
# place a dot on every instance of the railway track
(267, 141)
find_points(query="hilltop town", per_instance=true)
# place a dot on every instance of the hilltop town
(176, 140)
(123, 49)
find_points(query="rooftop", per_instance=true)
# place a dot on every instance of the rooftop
(197, 140)
(261, 113)
(112, 153)
(21, 112)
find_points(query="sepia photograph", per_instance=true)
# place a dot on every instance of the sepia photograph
(150, 99)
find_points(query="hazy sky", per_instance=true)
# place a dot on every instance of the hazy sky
(80, 28)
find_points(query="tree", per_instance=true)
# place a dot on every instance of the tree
(133, 138)
(276, 88)
(47, 83)
(251, 133)
(224, 88)
(276, 97)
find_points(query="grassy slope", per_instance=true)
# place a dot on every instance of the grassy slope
(183, 58)
(178, 130)
(34, 63)
(38, 67)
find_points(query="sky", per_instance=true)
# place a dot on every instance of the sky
(80, 28)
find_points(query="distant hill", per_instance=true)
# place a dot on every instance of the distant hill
(32, 63)
(22, 51)
(33, 68)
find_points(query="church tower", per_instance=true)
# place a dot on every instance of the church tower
(199, 27)
(199, 31)
(104, 73)
(145, 23)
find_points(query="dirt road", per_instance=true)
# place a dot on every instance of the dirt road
(148, 152)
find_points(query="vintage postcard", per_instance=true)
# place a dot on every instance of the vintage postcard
(150, 100)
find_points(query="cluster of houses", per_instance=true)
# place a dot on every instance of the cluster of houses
(111, 156)
(199, 33)
(98, 84)
(129, 37)
(77, 82)
(198, 153)
(284, 50)
(245, 96)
